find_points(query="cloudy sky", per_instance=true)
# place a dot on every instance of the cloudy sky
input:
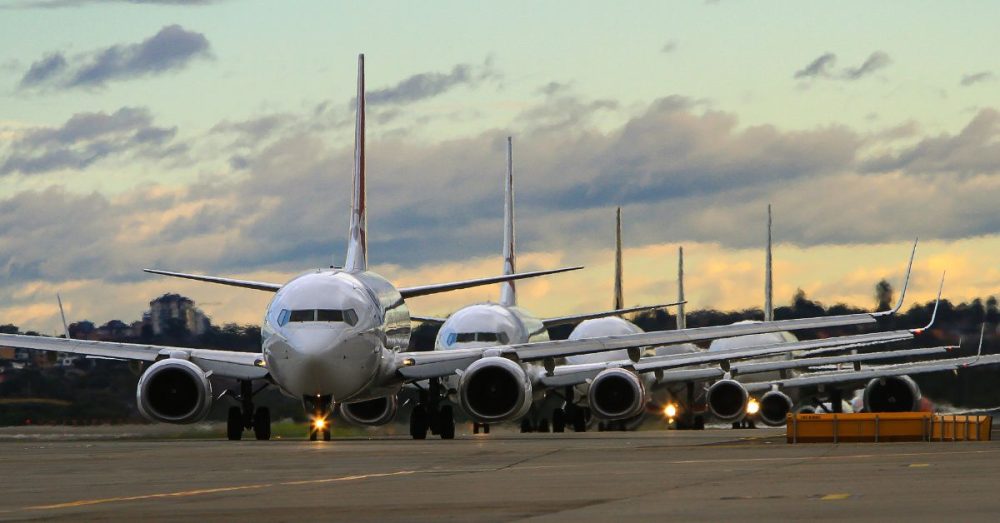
(215, 136)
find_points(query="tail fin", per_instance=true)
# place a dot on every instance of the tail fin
(508, 293)
(619, 299)
(681, 315)
(768, 275)
(357, 246)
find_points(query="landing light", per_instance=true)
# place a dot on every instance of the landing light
(753, 407)
(319, 423)
(670, 411)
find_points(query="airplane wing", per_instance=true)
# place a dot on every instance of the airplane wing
(562, 320)
(230, 364)
(406, 292)
(566, 375)
(852, 376)
(436, 364)
(411, 292)
(246, 284)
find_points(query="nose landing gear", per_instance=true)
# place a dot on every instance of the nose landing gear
(319, 408)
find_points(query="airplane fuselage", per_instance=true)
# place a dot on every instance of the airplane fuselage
(329, 332)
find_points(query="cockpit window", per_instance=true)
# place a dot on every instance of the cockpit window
(468, 337)
(329, 315)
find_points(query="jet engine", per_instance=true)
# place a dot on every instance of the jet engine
(892, 394)
(374, 412)
(774, 407)
(174, 391)
(616, 394)
(495, 389)
(727, 399)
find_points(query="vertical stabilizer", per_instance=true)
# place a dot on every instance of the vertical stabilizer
(681, 315)
(508, 293)
(619, 299)
(768, 275)
(357, 246)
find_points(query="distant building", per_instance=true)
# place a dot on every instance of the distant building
(176, 307)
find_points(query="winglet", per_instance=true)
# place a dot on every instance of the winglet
(681, 315)
(619, 300)
(906, 283)
(63, 315)
(979, 351)
(357, 243)
(508, 293)
(933, 314)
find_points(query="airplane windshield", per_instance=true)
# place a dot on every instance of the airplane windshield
(469, 337)
(327, 315)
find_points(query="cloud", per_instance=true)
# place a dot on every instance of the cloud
(87, 138)
(172, 48)
(823, 67)
(684, 172)
(975, 78)
(877, 60)
(975, 150)
(44, 70)
(428, 85)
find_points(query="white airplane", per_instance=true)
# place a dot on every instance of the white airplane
(499, 323)
(577, 409)
(340, 336)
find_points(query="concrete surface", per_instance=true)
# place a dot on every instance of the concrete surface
(683, 475)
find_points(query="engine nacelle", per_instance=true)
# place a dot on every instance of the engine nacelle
(727, 399)
(774, 408)
(616, 394)
(892, 394)
(375, 412)
(174, 391)
(495, 389)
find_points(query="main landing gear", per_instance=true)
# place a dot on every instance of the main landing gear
(429, 414)
(245, 417)
(571, 415)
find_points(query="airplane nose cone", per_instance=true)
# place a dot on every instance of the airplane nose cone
(327, 363)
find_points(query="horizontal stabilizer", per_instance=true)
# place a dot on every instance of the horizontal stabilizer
(246, 284)
(410, 292)
(428, 319)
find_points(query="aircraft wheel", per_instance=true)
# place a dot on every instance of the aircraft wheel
(446, 417)
(486, 428)
(418, 422)
(234, 424)
(262, 423)
(699, 423)
(475, 427)
(326, 434)
(526, 426)
(558, 420)
(579, 420)
(543, 425)
(313, 434)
